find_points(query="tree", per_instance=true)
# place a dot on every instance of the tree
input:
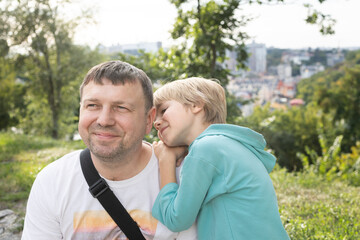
(54, 111)
(210, 30)
(324, 21)
(11, 95)
(292, 131)
(336, 92)
(318, 56)
(343, 99)
(51, 61)
(150, 63)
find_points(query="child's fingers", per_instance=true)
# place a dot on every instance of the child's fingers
(159, 135)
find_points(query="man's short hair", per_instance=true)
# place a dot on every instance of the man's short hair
(198, 91)
(119, 72)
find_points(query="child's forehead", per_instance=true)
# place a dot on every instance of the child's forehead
(159, 104)
(164, 103)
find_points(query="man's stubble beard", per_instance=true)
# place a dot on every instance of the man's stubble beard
(110, 155)
(116, 154)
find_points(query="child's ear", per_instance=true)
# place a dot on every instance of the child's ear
(195, 108)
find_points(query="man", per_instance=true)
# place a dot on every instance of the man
(116, 112)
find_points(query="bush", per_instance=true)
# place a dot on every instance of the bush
(332, 163)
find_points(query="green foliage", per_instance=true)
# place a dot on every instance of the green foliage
(295, 69)
(209, 30)
(323, 164)
(273, 56)
(332, 163)
(11, 95)
(151, 63)
(324, 21)
(318, 56)
(58, 118)
(310, 88)
(336, 91)
(348, 165)
(287, 132)
(303, 137)
(50, 62)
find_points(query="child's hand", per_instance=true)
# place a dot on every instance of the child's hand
(165, 153)
(169, 158)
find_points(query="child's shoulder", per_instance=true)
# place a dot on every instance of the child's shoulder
(208, 142)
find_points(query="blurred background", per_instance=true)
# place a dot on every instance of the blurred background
(291, 70)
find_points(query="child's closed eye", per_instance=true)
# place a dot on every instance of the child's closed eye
(163, 110)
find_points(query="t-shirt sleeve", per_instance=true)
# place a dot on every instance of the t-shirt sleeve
(177, 206)
(40, 221)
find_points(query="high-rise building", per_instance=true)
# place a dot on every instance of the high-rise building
(257, 58)
(284, 71)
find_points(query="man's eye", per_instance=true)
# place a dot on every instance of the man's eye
(91, 106)
(121, 108)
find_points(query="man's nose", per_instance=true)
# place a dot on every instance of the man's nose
(106, 117)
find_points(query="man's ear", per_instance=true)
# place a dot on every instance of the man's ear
(150, 119)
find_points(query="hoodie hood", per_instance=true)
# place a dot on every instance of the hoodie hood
(252, 140)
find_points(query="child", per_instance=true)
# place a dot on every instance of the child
(224, 180)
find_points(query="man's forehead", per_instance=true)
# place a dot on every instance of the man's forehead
(115, 82)
(106, 82)
(107, 88)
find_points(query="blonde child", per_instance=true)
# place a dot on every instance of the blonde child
(224, 180)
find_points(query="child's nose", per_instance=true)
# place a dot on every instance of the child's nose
(157, 124)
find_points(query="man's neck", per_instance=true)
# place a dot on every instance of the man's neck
(128, 167)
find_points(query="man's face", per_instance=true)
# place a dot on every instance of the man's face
(112, 120)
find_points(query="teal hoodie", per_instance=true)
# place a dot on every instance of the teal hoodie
(225, 187)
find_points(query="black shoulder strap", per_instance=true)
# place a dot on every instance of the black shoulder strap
(100, 189)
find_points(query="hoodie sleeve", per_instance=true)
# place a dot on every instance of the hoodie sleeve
(177, 206)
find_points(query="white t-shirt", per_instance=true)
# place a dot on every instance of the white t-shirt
(61, 207)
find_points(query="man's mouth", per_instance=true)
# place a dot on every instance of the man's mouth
(104, 136)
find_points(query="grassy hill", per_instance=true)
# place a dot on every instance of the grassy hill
(311, 207)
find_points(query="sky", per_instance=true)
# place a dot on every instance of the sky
(280, 25)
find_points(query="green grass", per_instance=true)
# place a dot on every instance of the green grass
(21, 158)
(311, 207)
(11, 145)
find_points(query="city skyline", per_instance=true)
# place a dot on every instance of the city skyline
(276, 25)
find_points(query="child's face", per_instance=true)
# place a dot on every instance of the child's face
(173, 122)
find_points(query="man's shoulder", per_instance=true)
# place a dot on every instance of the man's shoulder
(66, 163)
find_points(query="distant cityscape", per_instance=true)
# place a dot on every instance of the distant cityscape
(272, 74)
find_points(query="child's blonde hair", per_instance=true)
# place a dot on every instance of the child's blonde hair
(196, 91)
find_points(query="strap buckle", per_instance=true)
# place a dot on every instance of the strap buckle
(98, 188)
